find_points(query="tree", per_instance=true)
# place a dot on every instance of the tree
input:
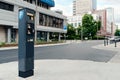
(79, 30)
(71, 32)
(90, 26)
(99, 24)
(117, 32)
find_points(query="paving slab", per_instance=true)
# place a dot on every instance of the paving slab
(64, 70)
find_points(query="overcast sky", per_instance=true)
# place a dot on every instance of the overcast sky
(66, 7)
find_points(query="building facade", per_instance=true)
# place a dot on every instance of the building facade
(83, 6)
(75, 21)
(47, 21)
(106, 16)
(110, 20)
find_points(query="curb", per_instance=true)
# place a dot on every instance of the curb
(44, 45)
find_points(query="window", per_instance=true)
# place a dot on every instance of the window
(41, 19)
(43, 5)
(6, 6)
(30, 1)
(46, 20)
(13, 35)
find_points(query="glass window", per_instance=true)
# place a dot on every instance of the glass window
(46, 20)
(13, 35)
(6, 6)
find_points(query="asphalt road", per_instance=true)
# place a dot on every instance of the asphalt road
(73, 51)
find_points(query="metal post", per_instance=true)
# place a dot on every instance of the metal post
(107, 41)
(81, 34)
(65, 37)
(97, 31)
(59, 37)
(115, 43)
(36, 21)
(110, 42)
(104, 41)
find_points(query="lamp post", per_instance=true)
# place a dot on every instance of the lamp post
(97, 31)
(36, 21)
(115, 43)
(81, 33)
(90, 36)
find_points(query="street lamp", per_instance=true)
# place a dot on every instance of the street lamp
(65, 37)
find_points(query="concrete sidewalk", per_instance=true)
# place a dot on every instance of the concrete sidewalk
(64, 70)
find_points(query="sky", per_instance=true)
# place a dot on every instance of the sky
(66, 7)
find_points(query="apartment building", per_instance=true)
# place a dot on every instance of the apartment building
(106, 16)
(75, 21)
(83, 6)
(47, 21)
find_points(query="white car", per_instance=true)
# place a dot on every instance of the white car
(114, 38)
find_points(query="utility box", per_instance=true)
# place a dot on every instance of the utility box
(26, 42)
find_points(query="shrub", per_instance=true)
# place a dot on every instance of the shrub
(2, 44)
(45, 42)
(99, 37)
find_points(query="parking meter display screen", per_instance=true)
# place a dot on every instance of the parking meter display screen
(30, 16)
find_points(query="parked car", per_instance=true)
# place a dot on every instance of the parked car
(114, 38)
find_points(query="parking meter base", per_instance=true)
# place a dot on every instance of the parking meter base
(26, 73)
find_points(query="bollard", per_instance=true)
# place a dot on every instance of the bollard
(104, 42)
(110, 42)
(107, 41)
(115, 43)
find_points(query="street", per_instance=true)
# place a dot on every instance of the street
(73, 51)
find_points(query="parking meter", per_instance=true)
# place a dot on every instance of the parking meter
(26, 42)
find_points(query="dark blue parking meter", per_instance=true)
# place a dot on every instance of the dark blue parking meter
(26, 42)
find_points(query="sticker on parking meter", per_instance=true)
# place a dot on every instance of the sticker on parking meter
(21, 13)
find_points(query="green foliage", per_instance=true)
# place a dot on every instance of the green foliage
(71, 32)
(90, 26)
(2, 44)
(87, 20)
(117, 32)
(98, 37)
(79, 29)
(99, 24)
